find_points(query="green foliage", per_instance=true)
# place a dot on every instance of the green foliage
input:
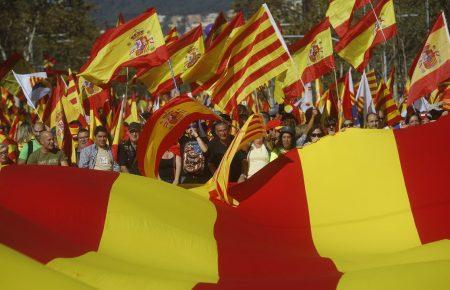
(62, 29)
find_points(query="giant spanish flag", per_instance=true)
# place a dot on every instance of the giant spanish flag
(164, 128)
(340, 13)
(432, 64)
(184, 53)
(383, 226)
(375, 27)
(136, 43)
(312, 56)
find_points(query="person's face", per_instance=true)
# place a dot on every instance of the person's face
(38, 129)
(372, 121)
(414, 121)
(192, 128)
(3, 155)
(258, 142)
(425, 120)
(222, 132)
(100, 139)
(347, 124)
(83, 138)
(316, 135)
(331, 129)
(134, 136)
(286, 141)
(47, 141)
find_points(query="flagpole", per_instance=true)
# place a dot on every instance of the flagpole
(337, 95)
(173, 76)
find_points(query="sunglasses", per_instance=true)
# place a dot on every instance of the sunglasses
(348, 125)
(316, 135)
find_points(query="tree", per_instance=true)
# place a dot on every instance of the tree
(62, 29)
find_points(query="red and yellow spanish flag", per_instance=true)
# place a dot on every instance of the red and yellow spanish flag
(291, 229)
(164, 128)
(254, 54)
(377, 26)
(207, 69)
(432, 64)
(217, 27)
(131, 111)
(340, 13)
(119, 130)
(252, 129)
(184, 54)
(136, 43)
(171, 36)
(72, 104)
(312, 56)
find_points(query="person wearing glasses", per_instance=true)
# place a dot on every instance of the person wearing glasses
(83, 141)
(331, 126)
(127, 151)
(32, 145)
(314, 135)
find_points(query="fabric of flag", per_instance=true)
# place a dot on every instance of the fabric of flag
(291, 229)
(346, 98)
(136, 43)
(96, 103)
(119, 131)
(373, 83)
(184, 54)
(253, 128)
(72, 104)
(171, 36)
(131, 111)
(54, 113)
(388, 106)
(164, 128)
(374, 28)
(364, 96)
(340, 14)
(49, 61)
(432, 64)
(217, 27)
(17, 64)
(313, 57)
(34, 86)
(255, 54)
(207, 70)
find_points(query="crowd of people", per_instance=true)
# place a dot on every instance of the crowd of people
(199, 151)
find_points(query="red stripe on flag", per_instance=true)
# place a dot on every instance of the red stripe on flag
(64, 220)
(266, 242)
(426, 176)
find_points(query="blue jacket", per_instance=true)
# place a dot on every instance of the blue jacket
(88, 156)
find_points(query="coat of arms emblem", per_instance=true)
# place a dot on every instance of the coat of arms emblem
(316, 51)
(429, 58)
(379, 25)
(171, 118)
(192, 57)
(141, 43)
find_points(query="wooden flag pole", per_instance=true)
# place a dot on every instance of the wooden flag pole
(173, 76)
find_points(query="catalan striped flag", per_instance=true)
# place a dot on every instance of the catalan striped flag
(137, 43)
(388, 106)
(364, 96)
(207, 70)
(172, 36)
(72, 104)
(164, 128)
(255, 54)
(374, 28)
(432, 64)
(217, 27)
(184, 54)
(340, 13)
(312, 56)
(291, 229)
(252, 129)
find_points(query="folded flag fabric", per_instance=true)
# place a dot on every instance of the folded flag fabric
(379, 222)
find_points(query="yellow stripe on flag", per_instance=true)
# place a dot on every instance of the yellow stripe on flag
(351, 228)
(141, 238)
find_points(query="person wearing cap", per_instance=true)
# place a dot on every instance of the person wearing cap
(331, 126)
(286, 142)
(425, 118)
(127, 151)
